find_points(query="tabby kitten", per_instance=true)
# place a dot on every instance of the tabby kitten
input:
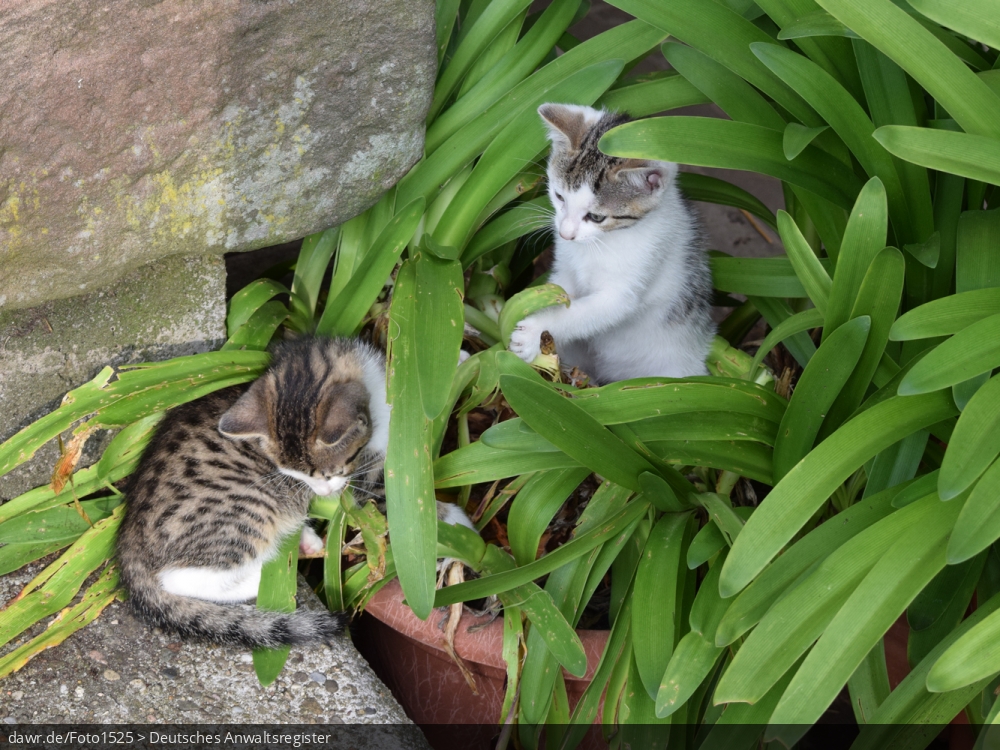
(629, 254)
(227, 477)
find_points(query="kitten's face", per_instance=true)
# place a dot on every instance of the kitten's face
(316, 438)
(593, 193)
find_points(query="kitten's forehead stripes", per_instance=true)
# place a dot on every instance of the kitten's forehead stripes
(589, 165)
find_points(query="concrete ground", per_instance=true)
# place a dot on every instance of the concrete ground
(118, 670)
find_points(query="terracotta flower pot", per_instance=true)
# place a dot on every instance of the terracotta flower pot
(407, 653)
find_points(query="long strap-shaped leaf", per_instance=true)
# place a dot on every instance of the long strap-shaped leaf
(808, 485)
(709, 142)
(978, 525)
(792, 624)
(817, 389)
(659, 586)
(973, 156)
(725, 36)
(494, 584)
(878, 298)
(879, 600)
(912, 714)
(864, 237)
(946, 316)
(409, 479)
(971, 351)
(810, 271)
(974, 444)
(345, 312)
(850, 122)
(919, 53)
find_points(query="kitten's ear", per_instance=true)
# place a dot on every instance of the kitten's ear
(248, 417)
(567, 124)
(346, 415)
(650, 176)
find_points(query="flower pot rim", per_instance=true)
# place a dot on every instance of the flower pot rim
(484, 646)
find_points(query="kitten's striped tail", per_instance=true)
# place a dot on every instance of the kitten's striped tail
(227, 623)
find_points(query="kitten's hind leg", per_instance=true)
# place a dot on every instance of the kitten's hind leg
(214, 585)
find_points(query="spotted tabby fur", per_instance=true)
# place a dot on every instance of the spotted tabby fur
(227, 477)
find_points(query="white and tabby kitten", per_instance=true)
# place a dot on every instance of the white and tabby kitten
(629, 254)
(228, 476)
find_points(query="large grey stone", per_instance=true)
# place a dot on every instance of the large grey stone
(117, 670)
(130, 131)
(166, 309)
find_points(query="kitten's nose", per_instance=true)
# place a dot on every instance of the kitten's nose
(567, 230)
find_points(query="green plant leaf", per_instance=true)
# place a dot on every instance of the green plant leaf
(810, 482)
(409, 478)
(973, 350)
(257, 332)
(815, 280)
(700, 187)
(659, 586)
(278, 582)
(758, 277)
(879, 600)
(796, 137)
(526, 302)
(345, 312)
(724, 36)
(438, 329)
(651, 93)
(976, 19)
(799, 617)
(580, 545)
(709, 142)
(480, 463)
(927, 253)
(494, 18)
(138, 392)
(248, 300)
(943, 317)
(511, 69)
(864, 237)
(973, 156)
(310, 269)
(974, 444)
(519, 144)
(535, 505)
(797, 323)
(100, 594)
(696, 653)
(817, 389)
(847, 118)
(573, 431)
(524, 218)
(625, 42)
(735, 96)
(60, 524)
(817, 23)
(18, 554)
(978, 524)
(754, 601)
(975, 655)
(57, 585)
(879, 299)
(641, 398)
(892, 30)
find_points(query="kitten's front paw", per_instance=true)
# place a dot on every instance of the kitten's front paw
(310, 543)
(525, 340)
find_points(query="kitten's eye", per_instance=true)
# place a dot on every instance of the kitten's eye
(596, 218)
(559, 198)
